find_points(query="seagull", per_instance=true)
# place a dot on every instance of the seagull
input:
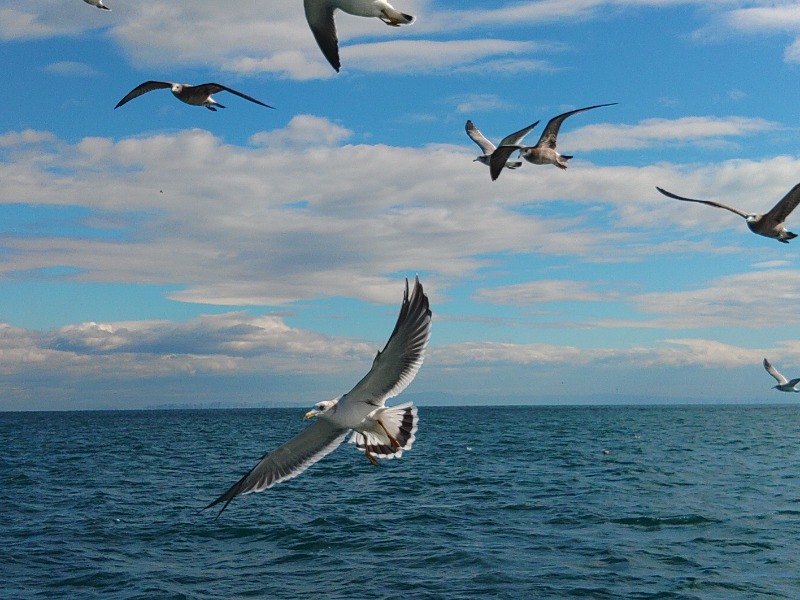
(544, 152)
(784, 384)
(379, 431)
(488, 147)
(319, 14)
(769, 224)
(196, 95)
(98, 3)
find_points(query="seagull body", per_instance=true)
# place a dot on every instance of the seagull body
(379, 431)
(196, 95)
(769, 224)
(488, 147)
(98, 3)
(784, 384)
(319, 14)
(544, 152)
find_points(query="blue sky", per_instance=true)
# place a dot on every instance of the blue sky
(161, 254)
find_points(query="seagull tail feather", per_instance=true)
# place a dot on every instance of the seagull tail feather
(400, 422)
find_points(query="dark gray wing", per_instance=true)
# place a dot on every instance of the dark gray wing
(213, 88)
(289, 460)
(147, 86)
(319, 14)
(783, 209)
(396, 365)
(550, 132)
(498, 160)
(517, 137)
(741, 213)
(476, 136)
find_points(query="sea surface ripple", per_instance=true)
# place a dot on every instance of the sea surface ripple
(507, 502)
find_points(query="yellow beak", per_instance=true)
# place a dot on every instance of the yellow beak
(310, 415)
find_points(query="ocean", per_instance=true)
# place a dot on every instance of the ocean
(676, 502)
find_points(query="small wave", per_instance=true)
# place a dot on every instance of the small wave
(672, 521)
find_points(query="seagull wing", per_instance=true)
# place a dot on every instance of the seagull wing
(213, 88)
(319, 14)
(517, 137)
(147, 86)
(782, 209)
(476, 136)
(396, 365)
(550, 132)
(741, 213)
(289, 460)
(498, 160)
(774, 372)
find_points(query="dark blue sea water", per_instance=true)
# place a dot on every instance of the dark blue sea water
(685, 502)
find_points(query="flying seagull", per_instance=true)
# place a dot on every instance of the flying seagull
(784, 384)
(98, 3)
(544, 152)
(769, 224)
(488, 147)
(380, 431)
(196, 95)
(319, 14)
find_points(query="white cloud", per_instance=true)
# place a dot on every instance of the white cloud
(425, 56)
(544, 291)
(303, 131)
(226, 343)
(752, 300)
(650, 132)
(677, 352)
(67, 68)
(25, 137)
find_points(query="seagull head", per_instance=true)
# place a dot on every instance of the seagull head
(177, 88)
(752, 217)
(320, 408)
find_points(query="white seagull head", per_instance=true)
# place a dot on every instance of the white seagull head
(321, 408)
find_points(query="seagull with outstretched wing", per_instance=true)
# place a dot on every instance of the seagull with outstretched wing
(784, 384)
(488, 147)
(98, 3)
(770, 224)
(378, 430)
(319, 14)
(196, 95)
(544, 152)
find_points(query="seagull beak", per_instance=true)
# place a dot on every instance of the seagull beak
(311, 414)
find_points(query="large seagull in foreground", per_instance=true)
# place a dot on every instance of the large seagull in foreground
(380, 431)
(319, 14)
(784, 384)
(770, 224)
(196, 95)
